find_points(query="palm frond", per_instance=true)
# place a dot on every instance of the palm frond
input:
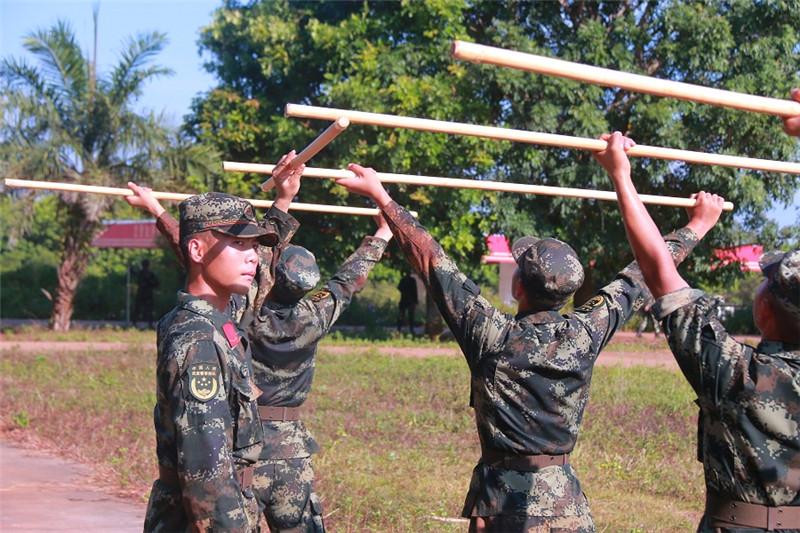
(57, 48)
(129, 75)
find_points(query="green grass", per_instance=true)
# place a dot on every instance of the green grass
(398, 438)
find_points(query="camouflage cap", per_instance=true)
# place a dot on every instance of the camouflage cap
(224, 213)
(295, 274)
(782, 270)
(548, 268)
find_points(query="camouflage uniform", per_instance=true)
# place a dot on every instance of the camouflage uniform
(749, 398)
(284, 339)
(530, 373)
(208, 434)
(285, 336)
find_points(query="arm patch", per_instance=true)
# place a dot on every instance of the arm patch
(204, 380)
(320, 295)
(594, 302)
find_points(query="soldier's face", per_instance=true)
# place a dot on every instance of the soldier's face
(229, 263)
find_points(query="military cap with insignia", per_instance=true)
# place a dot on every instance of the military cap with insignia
(782, 270)
(223, 213)
(548, 268)
(295, 274)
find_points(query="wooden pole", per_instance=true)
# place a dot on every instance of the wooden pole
(455, 183)
(324, 139)
(478, 53)
(531, 137)
(177, 197)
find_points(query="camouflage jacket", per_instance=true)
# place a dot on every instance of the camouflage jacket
(749, 398)
(530, 372)
(206, 420)
(284, 340)
(286, 226)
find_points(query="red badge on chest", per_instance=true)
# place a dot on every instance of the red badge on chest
(231, 334)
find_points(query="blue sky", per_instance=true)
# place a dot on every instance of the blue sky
(181, 20)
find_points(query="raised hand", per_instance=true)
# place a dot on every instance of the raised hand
(705, 214)
(365, 183)
(614, 158)
(791, 125)
(143, 199)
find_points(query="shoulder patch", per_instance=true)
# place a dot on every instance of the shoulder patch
(320, 295)
(204, 380)
(595, 301)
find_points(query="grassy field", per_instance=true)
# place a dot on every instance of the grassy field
(397, 434)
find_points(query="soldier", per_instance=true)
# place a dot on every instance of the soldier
(749, 398)
(530, 372)
(284, 336)
(208, 434)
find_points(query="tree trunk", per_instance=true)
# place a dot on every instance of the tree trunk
(81, 225)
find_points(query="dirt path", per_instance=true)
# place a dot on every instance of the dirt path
(39, 492)
(659, 356)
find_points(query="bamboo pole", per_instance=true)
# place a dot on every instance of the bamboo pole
(456, 183)
(531, 137)
(177, 197)
(324, 139)
(478, 53)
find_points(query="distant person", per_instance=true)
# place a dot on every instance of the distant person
(791, 125)
(408, 302)
(530, 372)
(146, 283)
(749, 398)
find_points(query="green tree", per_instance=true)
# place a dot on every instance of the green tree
(394, 58)
(64, 122)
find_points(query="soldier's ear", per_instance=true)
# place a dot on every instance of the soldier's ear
(196, 248)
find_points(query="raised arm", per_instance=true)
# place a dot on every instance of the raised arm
(791, 125)
(656, 263)
(330, 302)
(477, 326)
(166, 224)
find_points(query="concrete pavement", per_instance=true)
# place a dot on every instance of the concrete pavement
(39, 492)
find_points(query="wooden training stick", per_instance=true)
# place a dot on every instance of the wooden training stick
(478, 53)
(177, 197)
(532, 137)
(333, 131)
(455, 183)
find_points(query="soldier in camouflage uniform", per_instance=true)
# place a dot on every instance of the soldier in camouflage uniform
(749, 398)
(285, 335)
(208, 434)
(530, 372)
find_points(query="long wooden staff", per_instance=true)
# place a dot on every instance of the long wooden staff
(531, 137)
(478, 53)
(325, 138)
(177, 197)
(455, 183)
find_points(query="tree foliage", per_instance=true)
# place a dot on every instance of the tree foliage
(394, 58)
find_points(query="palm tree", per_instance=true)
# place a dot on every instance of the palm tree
(61, 121)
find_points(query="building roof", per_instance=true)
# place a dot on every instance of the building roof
(128, 234)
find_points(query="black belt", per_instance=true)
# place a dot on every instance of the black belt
(522, 463)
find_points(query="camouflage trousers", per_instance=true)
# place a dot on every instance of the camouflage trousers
(166, 514)
(705, 527)
(285, 492)
(531, 524)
